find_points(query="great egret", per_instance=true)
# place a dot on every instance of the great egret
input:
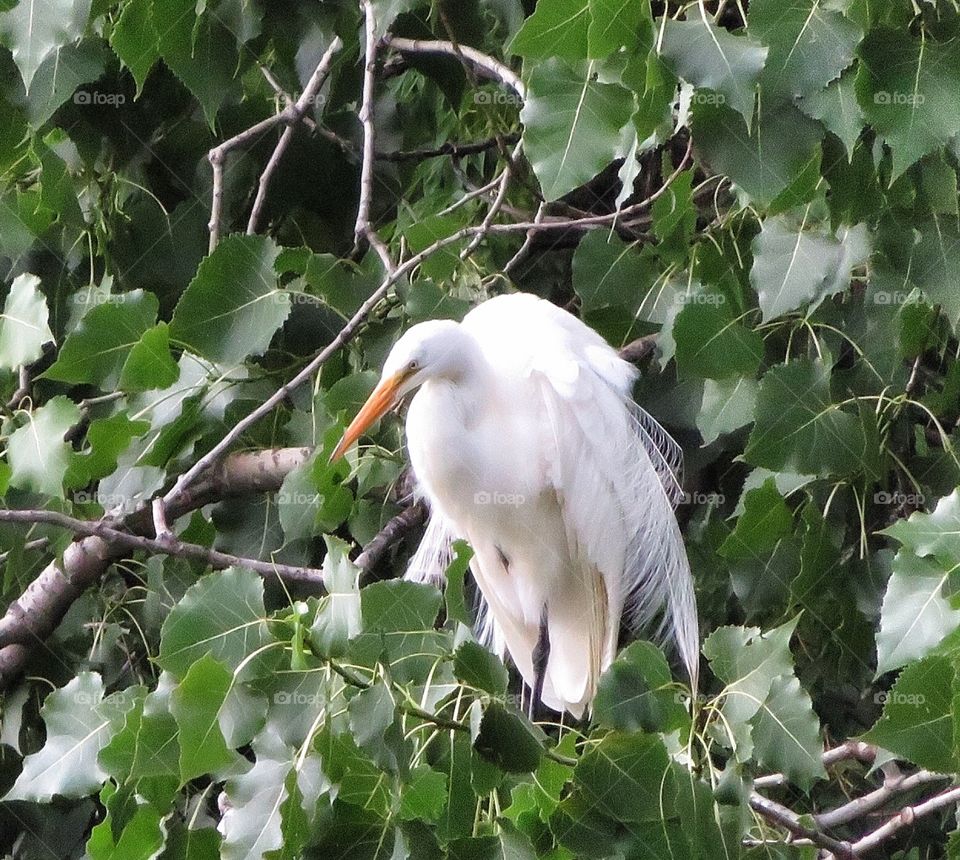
(526, 442)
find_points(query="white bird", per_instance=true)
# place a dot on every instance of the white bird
(525, 440)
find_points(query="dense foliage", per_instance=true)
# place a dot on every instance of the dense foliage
(788, 243)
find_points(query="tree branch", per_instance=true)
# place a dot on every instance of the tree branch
(407, 520)
(362, 227)
(480, 62)
(905, 817)
(790, 821)
(290, 116)
(46, 600)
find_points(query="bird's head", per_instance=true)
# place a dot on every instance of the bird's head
(428, 350)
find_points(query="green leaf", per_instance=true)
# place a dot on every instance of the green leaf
(793, 267)
(80, 722)
(711, 342)
(764, 521)
(232, 308)
(251, 826)
(24, 327)
(338, 617)
(149, 365)
(557, 28)
(144, 748)
(931, 263)
(97, 349)
(625, 776)
(637, 693)
(936, 534)
(196, 705)
(508, 740)
(141, 837)
(479, 667)
(798, 427)
(36, 28)
(200, 51)
(424, 796)
(748, 662)
(609, 273)
(907, 89)
(727, 405)
(571, 125)
(837, 108)
(399, 606)
(711, 58)
(230, 635)
(809, 45)
(916, 614)
(135, 41)
(776, 163)
(36, 452)
(60, 74)
(917, 720)
(786, 734)
(372, 714)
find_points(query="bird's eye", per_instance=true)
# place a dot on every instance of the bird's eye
(413, 366)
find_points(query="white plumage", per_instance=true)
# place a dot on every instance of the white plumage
(525, 440)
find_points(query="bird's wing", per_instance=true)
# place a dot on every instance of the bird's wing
(615, 469)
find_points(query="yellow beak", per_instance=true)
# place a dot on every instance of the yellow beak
(381, 401)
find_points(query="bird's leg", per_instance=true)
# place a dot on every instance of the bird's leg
(541, 654)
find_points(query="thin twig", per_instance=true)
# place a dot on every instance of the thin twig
(789, 821)
(860, 806)
(451, 148)
(481, 62)
(39, 543)
(858, 750)
(528, 240)
(496, 206)
(361, 228)
(292, 115)
(905, 817)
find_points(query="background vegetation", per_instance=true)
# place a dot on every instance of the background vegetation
(215, 219)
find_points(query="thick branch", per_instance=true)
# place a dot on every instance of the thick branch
(46, 600)
(17, 626)
(407, 520)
